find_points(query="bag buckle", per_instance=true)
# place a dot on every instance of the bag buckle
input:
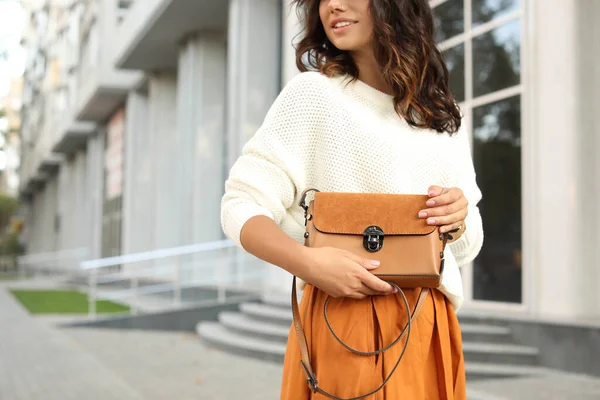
(311, 379)
(373, 239)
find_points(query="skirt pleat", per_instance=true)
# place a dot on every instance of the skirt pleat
(432, 367)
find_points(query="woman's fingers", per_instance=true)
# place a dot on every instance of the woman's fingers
(447, 220)
(367, 291)
(375, 284)
(445, 196)
(434, 191)
(451, 227)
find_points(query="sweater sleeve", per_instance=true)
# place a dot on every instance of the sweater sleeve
(263, 179)
(468, 246)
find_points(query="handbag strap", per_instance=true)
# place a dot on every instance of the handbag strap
(305, 356)
(302, 202)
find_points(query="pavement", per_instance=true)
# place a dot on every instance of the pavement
(41, 361)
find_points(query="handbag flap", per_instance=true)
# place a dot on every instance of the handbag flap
(352, 213)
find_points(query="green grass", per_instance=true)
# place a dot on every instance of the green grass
(63, 302)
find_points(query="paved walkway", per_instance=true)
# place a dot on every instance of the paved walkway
(561, 387)
(39, 361)
(165, 366)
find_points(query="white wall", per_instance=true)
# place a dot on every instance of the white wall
(564, 276)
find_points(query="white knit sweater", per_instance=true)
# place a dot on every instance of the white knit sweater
(337, 135)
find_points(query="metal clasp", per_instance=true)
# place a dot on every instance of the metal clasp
(373, 239)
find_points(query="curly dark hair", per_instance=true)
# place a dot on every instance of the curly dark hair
(404, 47)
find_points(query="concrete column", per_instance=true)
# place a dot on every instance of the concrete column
(79, 191)
(563, 280)
(65, 208)
(72, 204)
(162, 129)
(254, 68)
(588, 74)
(31, 224)
(48, 235)
(34, 223)
(291, 34)
(254, 81)
(93, 190)
(138, 211)
(201, 133)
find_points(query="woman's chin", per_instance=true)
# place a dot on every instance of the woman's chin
(344, 46)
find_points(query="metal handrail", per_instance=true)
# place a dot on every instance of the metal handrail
(94, 267)
(155, 254)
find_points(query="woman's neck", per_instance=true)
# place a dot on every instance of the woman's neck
(369, 71)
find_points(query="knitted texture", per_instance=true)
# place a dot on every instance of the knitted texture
(339, 135)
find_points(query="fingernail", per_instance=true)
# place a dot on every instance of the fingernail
(422, 214)
(375, 263)
(430, 203)
(431, 221)
(443, 229)
(432, 192)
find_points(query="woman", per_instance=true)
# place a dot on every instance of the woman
(374, 116)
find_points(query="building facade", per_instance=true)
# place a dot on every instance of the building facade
(11, 146)
(134, 112)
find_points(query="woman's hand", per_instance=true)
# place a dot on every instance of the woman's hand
(447, 208)
(340, 273)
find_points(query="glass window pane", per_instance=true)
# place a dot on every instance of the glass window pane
(455, 61)
(487, 10)
(497, 272)
(449, 18)
(497, 59)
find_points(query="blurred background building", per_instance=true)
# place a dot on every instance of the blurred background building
(133, 112)
(9, 163)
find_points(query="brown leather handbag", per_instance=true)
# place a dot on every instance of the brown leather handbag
(384, 227)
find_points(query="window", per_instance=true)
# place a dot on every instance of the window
(481, 44)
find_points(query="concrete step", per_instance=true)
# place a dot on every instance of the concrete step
(267, 313)
(480, 371)
(486, 333)
(215, 335)
(244, 324)
(500, 353)
(475, 394)
(279, 300)
(466, 316)
(218, 336)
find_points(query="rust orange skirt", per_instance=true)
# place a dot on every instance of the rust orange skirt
(432, 367)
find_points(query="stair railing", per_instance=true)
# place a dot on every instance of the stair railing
(219, 267)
